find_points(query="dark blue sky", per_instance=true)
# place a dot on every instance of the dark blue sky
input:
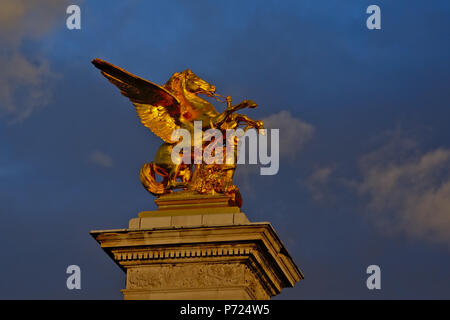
(363, 117)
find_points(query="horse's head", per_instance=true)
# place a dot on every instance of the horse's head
(186, 86)
(197, 85)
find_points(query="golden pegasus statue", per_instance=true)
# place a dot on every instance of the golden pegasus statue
(176, 105)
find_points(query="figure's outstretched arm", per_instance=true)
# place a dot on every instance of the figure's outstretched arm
(222, 117)
(250, 123)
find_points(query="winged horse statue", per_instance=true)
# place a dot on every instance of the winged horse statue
(176, 105)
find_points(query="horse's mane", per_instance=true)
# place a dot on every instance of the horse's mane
(173, 84)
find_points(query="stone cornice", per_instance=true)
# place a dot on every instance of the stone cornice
(163, 244)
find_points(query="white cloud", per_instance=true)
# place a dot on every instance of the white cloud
(101, 159)
(318, 181)
(294, 133)
(23, 85)
(409, 190)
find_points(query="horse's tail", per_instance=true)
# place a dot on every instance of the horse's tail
(147, 176)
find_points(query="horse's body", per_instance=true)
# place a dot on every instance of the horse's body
(186, 87)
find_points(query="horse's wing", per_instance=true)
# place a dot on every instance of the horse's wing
(157, 108)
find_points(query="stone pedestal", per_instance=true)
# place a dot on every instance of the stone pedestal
(198, 247)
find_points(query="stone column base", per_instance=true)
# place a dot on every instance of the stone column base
(246, 261)
(199, 248)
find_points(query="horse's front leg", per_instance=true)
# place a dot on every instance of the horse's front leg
(177, 171)
(222, 117)
(242, 118)
(244, 104)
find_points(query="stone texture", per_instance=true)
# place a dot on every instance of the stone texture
(204, 261)
(222, 280)
(197, 246)
(188, 220)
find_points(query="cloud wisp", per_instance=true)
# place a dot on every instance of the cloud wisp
(101, 159)
(294, 132)
(23, 80)
(294, 135)
(408, 190)
(318, 181)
